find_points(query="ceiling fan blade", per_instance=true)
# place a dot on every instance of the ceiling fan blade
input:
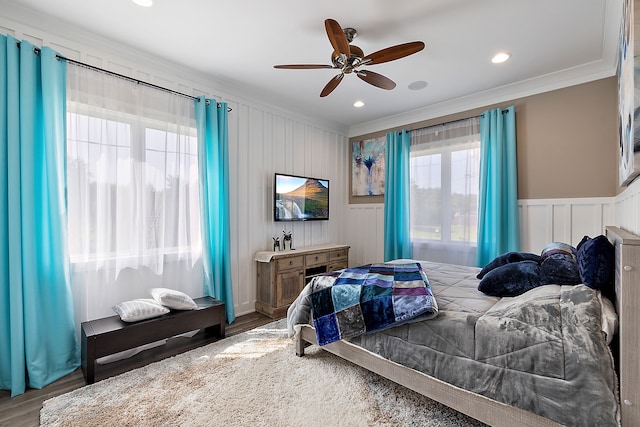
(337, 38)
(302, 66)
(333, 83)
(376, 79)
(392, 53)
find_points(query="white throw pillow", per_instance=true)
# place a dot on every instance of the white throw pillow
(139, 309)
(173, 299)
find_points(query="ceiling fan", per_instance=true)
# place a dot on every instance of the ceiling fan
(349, 58)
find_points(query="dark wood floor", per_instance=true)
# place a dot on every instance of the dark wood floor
(24, 410)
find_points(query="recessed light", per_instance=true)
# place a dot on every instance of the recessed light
(143, 3)
(358, 104)
(500, 58)
(417, 85)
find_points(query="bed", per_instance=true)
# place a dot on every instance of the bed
(582, 389)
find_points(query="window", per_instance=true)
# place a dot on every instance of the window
(132, 174)
(103, 158)
(444, 171)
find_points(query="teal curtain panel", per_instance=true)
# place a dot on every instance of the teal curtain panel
(213, 167)
(38, 340)
(498, 225)
(397, 231)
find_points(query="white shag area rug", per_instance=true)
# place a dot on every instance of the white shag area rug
(250, 379)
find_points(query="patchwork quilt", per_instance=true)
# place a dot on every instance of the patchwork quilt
(370, 298)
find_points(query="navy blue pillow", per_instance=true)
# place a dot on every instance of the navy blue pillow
(596, 262)
(560, 269)
(507, 258)
(512, 279)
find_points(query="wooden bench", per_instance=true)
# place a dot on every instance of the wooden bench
(110, 335)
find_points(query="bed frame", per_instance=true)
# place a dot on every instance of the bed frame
(499, 414)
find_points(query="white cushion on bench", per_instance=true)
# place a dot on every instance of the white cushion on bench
(173, 299)
(139, 309)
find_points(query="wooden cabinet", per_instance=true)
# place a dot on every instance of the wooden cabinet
(289, 282)
(282, 275)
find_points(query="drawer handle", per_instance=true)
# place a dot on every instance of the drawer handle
(290, 262)
(316, 258)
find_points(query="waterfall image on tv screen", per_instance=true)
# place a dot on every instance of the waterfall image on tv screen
(300, 198)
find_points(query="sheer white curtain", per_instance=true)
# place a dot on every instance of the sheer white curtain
(444, 167)
(132, 179)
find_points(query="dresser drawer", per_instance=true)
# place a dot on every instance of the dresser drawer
(339, 254)
(338, 265)
(314, 259)
(290, 263)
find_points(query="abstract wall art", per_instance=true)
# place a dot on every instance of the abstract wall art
(628, 98)
(367, 167)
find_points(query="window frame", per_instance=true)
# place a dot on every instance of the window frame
(138, 126)
(445, 149)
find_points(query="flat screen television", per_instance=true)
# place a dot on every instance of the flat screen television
(300, 198)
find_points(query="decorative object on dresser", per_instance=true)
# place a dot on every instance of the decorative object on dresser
(111, 335)
(287, 237)
(282, 275)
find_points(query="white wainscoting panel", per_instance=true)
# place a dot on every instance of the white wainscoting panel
(541, 221)
(364, 231)
(628, 208)
(562, 220)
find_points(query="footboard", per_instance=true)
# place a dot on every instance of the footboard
(474, 405)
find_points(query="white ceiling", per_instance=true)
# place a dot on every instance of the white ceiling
(553, 44)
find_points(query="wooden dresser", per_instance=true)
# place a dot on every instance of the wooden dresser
(282, 275)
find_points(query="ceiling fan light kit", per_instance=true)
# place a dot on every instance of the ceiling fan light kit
(349, 58)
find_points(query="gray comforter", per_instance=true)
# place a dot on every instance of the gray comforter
(543, 351)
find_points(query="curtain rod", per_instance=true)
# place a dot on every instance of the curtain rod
(122, 76)
(505, 111)
(445, 123)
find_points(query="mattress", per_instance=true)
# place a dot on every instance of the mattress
(543, 351)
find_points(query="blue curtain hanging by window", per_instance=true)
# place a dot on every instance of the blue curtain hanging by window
(397, 228)
(38, 342)
(498, 225)
(213, 167)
